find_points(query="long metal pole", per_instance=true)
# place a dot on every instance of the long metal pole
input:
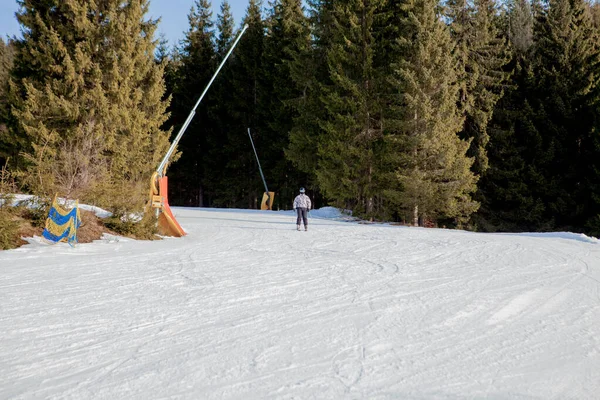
(161, 167)
(258, 162)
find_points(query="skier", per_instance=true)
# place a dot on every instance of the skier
(302, 207)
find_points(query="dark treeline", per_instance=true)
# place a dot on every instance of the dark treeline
(476, 113)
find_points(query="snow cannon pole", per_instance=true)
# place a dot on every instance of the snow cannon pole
(159, 201)
(163, 165)
(267, 193)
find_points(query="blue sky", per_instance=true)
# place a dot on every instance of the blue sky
(173, 14)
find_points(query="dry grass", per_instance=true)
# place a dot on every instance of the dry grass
(26, 229)
(91, 228)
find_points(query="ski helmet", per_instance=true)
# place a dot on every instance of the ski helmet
(301, 190)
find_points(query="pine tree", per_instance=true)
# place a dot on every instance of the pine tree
(288, 37)
(7, 55)
(481, 53)
(512, 189)
(595, 13)
(34, 18)
(220, 111)
(162, 52)
(508, 189)
(242, 180)
(543, 169)
(351, 131)
(7, 51)
(433, 169)
(135, 92)
(197, 65)
(520, 26)
(225, 27)
(93, 105)
(567, 71)
(310, 73)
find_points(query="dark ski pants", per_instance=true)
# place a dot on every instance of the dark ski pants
(302, 216)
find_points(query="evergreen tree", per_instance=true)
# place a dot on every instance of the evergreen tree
(7, 51)
(520, 26)
(93, 106)
(220, 112)
(310, 73)
(351, 131)
(545, 148)
(7, 55)
(288, 37)
(162, 52)
(512, 189)
(225, 27)
(197, 65)
(433, 169)
(34, 17)
(481, 54)
(509, 190)
(595, 13)
(565, 100)
(242, 185)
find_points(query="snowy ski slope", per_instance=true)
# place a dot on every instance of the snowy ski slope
(246, 307)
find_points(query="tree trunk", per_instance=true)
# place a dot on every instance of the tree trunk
(416, 215)
(200, 196)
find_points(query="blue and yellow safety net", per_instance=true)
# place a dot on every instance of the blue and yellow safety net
(61, 225)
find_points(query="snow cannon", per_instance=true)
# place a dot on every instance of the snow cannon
(159, 203)
(267, 201)
(268, 197)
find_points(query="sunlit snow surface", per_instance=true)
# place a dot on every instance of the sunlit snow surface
(246, 307)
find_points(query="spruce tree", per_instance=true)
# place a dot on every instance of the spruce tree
(135, 90)
(34, 17)
(595, 12)
(512, 189)
(566, 99)
(520, 26)
(288, 37)
(310, 73)
(218, 108)
(92, 105)
(197, 65)
(7, 148)
(7, 55)
(508, 189)
(225, 27)
(242, 181)
(220, 111)
(432, 166)
(481, 54)
(350, 136)
(542, 175)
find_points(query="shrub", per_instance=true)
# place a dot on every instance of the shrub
(144, 228)
(9, 229)
(36, 211)
(593, 227)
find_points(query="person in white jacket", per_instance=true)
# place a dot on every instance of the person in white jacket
(302, 206)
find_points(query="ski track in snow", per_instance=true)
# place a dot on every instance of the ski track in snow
(246, 307)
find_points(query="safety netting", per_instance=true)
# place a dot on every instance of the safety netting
(61, 224)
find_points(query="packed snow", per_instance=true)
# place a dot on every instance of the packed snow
(246, 307)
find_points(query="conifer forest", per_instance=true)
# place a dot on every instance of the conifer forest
(474, 114)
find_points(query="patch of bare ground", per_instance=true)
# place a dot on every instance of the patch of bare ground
(91, 228)
(26, 229)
